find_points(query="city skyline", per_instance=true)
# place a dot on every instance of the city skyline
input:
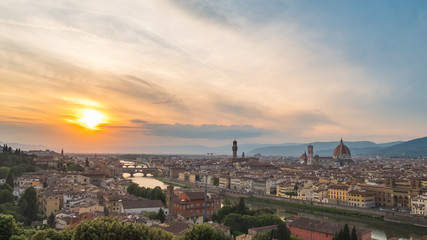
(92, 77)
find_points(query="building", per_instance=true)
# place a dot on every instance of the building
(50, 161)
(50, 202)
(284, 189)
(419, 205)
(393, 193)
(311, 229)
(191, 204)
(141, 206)
(341, 156)
(224, 182)
(338, 192)
(361, 199)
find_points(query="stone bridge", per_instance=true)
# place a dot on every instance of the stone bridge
(133, 169)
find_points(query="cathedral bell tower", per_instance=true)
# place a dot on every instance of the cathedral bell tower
(310, 155)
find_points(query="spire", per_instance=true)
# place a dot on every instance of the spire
(342, 141)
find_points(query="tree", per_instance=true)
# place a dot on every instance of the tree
(28, 205)
(9, 227)
(6, 196)
(9, 179)
(204, 231)
(346, 232)
(109, 228)
(241, 207)
(353, 233)
(4, 172)
(263, 236)
(51, 221)
(161, 215)
(282, 232)
(227, 203)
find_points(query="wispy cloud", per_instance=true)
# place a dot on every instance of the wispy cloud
(220, 68)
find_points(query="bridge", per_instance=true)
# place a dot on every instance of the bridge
(143, 168)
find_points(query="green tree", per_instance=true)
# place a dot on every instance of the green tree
(346, 232)
(51, 221)
(9, 227)
(282, 232)
(108, 228)
(241, 207)
(50, 234)
(263, 236)
(4, 171)
(161, 215)
(6, 196)
(222, 213)
(204, 231)
(353, 233)
(6, 187)
(28, 205)
(227, 203)
(9, 179)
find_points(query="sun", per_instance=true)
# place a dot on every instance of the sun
(91, 118)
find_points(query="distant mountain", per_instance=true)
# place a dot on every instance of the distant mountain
(359, 148)
(413, 148)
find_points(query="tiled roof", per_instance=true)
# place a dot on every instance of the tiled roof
(142, 204)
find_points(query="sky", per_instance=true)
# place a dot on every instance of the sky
(195, 72)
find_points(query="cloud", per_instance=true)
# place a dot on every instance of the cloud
(205, 131)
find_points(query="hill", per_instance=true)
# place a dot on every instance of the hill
(413, 148)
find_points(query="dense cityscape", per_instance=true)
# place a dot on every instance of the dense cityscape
(195, 189)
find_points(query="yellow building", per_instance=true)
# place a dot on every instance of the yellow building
(283, 189)
(338, 192)
(361, 199)
(181, 176)
(193, 177)
(50, 202)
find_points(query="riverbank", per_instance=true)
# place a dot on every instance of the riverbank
(175, 184)
(310, 207)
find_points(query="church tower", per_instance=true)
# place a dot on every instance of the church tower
(169, 199)
(310, 154)
(234, 148)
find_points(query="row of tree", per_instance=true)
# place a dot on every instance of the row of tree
(10, 150)
(153, 194)
(104, 228)
(240, 218)
(17, 163)
(344, 234)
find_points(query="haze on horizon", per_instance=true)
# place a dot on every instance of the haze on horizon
(206, 72)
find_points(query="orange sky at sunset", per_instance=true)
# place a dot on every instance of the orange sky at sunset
(109, 77)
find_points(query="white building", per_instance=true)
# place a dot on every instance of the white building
(419, 205)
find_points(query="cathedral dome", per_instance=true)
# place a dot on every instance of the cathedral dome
(342, 151)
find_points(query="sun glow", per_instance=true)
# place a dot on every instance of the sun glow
(91, 118)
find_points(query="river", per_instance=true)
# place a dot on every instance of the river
(147, 182)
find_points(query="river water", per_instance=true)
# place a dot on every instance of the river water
(147, 182)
